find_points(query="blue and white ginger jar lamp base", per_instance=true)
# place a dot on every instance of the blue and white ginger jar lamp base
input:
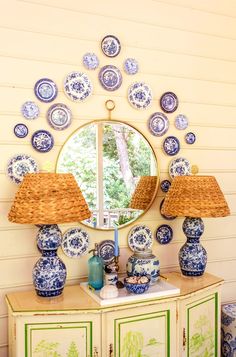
(192, 255)
(49, 272)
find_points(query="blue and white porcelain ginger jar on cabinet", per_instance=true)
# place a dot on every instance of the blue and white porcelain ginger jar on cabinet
(49, 272)
(144, 263)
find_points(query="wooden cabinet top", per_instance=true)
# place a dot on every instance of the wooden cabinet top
(75, 299)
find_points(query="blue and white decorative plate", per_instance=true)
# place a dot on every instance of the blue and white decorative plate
(77, 86)
(130, 66)
(45, 90)
(19, 166)
(21, 130)
(170, 218)
(106, 250)
(140, 238)
(59, 116)
(42, 141)
(158, 124)
(171, 145)
(165, 185)
(30, 110)
(190, 138)
(75, 242)
(169, 102)
(181, 122)
(90, 60)
(110, 77)
(140, 95)
(110, 46)
(164, 234)
(179, 167)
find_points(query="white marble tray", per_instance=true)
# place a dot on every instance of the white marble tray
(161, 289)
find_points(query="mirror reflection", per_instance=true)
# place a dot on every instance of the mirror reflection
(116, 170)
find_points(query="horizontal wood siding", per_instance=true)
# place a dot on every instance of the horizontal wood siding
(184, 46)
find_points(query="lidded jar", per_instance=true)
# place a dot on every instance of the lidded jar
(144, 263)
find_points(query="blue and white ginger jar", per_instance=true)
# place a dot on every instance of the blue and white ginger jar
(144, 263)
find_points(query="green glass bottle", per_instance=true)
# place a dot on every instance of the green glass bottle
(95, 270)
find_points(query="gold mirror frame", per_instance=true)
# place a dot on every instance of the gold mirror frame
(96, 121)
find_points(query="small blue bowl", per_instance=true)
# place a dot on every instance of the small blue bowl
(136, 288)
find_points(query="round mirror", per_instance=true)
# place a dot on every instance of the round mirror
(116, 170)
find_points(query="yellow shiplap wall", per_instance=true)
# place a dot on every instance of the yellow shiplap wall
(186, 46)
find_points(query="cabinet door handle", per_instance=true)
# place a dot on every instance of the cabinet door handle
(95, 352)
(184, 338)
(111, 350)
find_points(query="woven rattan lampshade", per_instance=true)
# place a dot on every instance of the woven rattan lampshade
(144, 192)
(48, 198)
(195, 196)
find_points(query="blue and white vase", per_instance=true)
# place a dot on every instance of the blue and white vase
(144, 263)
(192, 255)
(49, 272)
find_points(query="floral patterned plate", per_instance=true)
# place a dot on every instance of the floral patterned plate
(19, 166)
(181, 122)
(140, 238)
(42, 141)
(158, 124)
(106, 250)
(131, 66)
(165, 185)
(30, 110)
(90, 60)
(45, 90)
(164, 234)
(179, 167)
(77, 86)
(75, 242)
(110, 77)
(140, 95)
(190, 138)
(171, 145)
(21, 130)
(110, 46)
(59, 116)
(169, 102)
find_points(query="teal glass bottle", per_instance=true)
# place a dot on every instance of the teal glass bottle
(95, 270)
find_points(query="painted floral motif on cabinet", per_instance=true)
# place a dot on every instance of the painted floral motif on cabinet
(58, 339)
(202, 339)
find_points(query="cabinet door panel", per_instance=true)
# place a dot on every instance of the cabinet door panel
(58, 336)
(144, 331)
(201, 326)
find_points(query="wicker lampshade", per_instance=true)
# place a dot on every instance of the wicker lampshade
(144, 192)
(195, 196)
(48, 198)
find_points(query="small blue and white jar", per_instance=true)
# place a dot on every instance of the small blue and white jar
(144, 263)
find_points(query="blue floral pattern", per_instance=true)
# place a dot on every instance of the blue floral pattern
(192, 255)
(49, 272)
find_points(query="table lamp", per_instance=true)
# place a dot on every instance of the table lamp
(144, 192)
(194, 197)
(46, 199)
